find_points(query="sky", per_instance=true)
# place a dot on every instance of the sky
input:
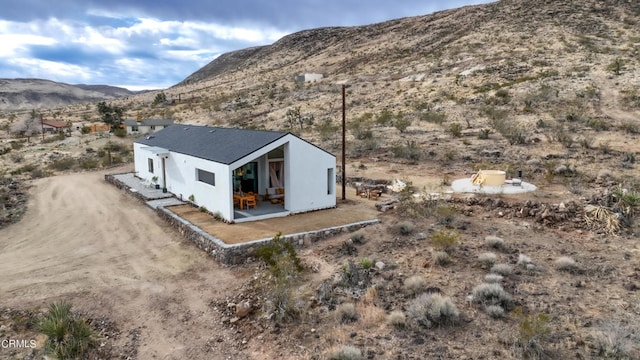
(140, 44)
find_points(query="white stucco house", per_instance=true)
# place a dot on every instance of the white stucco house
(209, 165)
(146, 126)
(308, 77)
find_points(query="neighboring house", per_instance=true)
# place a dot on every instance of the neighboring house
(308, 77)
(55, 126)
(208, 165)
(146, 126)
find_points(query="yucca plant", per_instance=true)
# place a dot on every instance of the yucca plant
(68, 336)
(602, 216)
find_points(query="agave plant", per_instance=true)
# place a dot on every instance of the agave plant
(601, 216)
(68, 336)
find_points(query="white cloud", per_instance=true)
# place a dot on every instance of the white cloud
(45, 69)
(13, 43)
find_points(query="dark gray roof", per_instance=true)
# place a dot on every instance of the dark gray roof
(149, 122)
(222, 145)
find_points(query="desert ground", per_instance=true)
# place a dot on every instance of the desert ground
(153, 295)
(85, 241)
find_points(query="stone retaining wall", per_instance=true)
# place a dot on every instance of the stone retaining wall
(231, 254)
(111, 179)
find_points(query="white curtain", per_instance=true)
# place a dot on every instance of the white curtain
(276, 173)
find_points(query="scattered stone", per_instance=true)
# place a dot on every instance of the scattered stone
(380, 265)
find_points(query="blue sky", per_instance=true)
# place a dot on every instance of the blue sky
(156, 44)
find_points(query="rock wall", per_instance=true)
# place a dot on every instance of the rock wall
(239, 253)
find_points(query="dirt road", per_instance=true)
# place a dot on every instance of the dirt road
(85, 241)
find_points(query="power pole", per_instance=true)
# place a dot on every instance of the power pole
(344, 122)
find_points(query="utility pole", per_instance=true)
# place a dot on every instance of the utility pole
(42, 126)
(344, 122)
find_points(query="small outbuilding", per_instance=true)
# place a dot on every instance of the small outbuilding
(238, 174)
(146, 126)
(54, 126)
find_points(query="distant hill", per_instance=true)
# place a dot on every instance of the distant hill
(21, 94)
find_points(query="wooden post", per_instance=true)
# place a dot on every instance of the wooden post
(344, 124)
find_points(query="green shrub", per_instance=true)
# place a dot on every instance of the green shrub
(281, 257)
(65, 163)
(88, 164)
(455, 129)
(533, 331)
(433, 117)
(68, 336)
(434, 309)
(445, 240)
(366, 263)
(409, 150)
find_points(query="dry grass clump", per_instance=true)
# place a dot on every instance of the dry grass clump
(441, 258)
(414, 285)
(565, 263)
(494, 242)
(397, 319)
(346, 313)
(613, 341)
(491, 294)
(345, 352)
(493, 278)
(434, 309)
(487, 259)
(495, 311)
(524, 261)
(405, 228)
(502, 269)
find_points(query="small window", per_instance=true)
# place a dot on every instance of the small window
(206, 177)
(153, 127)
(134, 128)
(329, 181)
(150, 162)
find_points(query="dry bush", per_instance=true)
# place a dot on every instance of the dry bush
(494, 242)
(614, 341)
(487, 259)
(495, 311)
(346, 313)
(369, 296)
(493, 278)
(397, 319)
(524, 261)
(369, 316)
(565, 263)
(434, 309)
(414, 285)
(491, 294)
(441, 258)
(405, 228)
(345, 352)
(502, 269)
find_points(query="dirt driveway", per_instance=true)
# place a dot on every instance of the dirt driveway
(85, 241)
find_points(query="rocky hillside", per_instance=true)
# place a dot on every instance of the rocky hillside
(21, 94)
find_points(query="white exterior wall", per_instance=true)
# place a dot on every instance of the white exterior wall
(312, 77)
(182, 181)
(305, 171)
(141, 164)
(306, 177)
